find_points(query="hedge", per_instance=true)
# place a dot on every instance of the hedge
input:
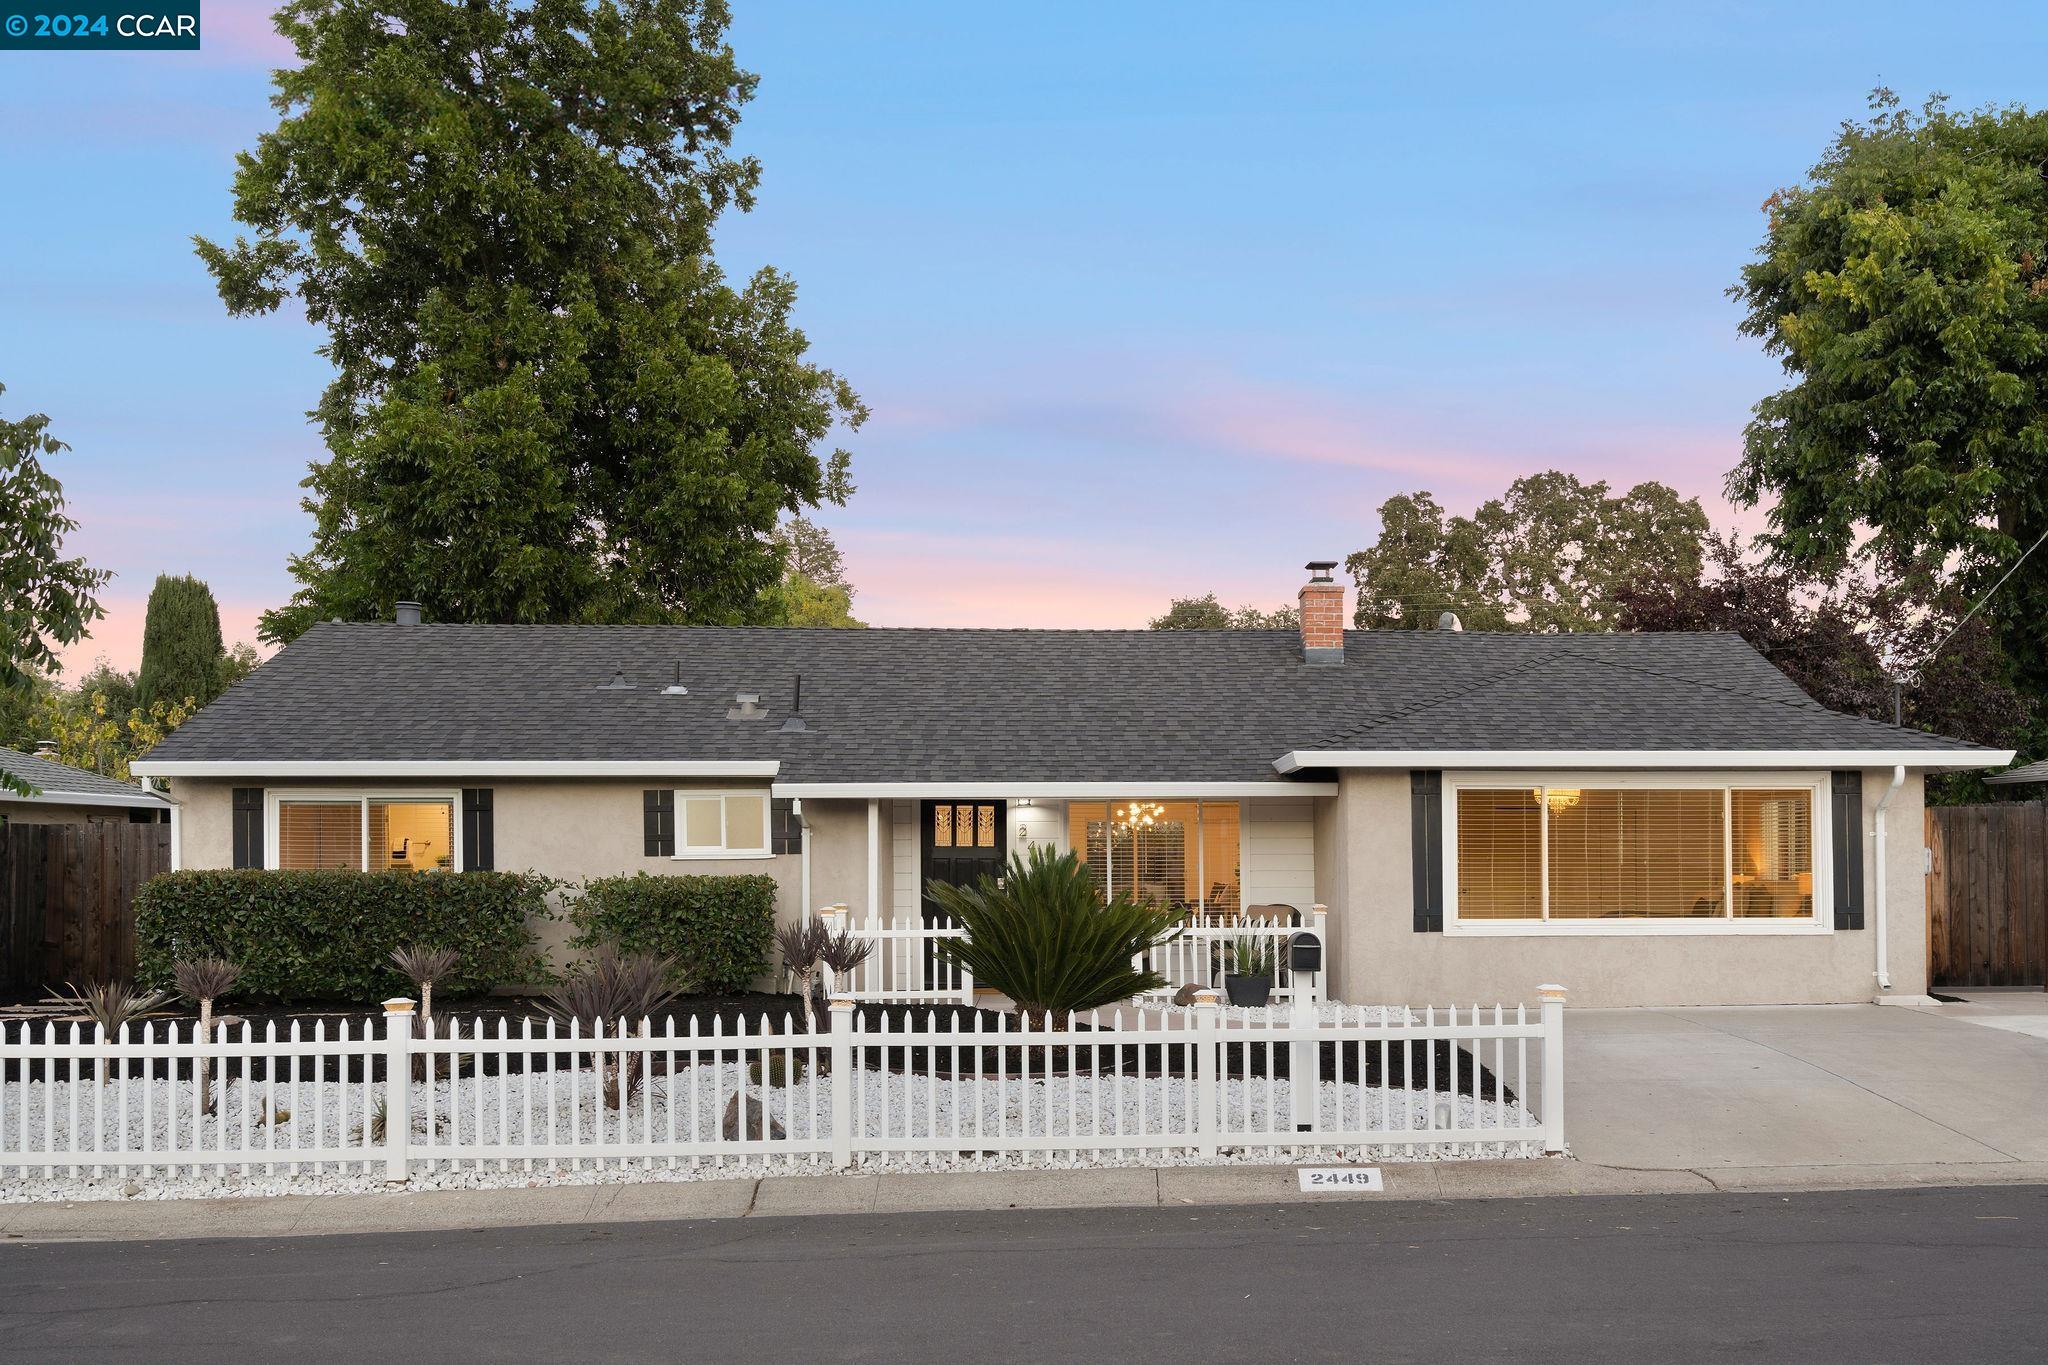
(718, 929)
(329, 935)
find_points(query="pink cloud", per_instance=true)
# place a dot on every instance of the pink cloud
(241, 32)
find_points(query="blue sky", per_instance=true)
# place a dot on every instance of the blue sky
(1147, 299)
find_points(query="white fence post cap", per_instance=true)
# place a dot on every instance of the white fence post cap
(842, 1004)
(1319, 909)
(1207, 999)
(398, 1005)
(1550, 991)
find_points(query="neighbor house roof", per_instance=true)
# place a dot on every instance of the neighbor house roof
(2026, 772)
(1011, 706)
(62, 784)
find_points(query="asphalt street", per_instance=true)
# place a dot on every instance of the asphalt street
(1907, 1275)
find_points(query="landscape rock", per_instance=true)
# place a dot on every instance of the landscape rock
(756, 1120)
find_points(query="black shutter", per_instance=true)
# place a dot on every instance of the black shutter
(479, 853)
(248, 822)
(785, 834)
(1848, 820)
(1426, 823)
(658, 822)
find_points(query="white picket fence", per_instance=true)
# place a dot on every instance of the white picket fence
(904, 967)
(943, 1083)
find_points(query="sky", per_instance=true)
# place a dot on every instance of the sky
(1148, 300)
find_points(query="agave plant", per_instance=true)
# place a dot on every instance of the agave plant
(203, 980)
(1044, 936)
(113, 1005)
(423, 966)
(614, 990)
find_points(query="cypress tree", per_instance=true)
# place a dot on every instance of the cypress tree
(181, 644)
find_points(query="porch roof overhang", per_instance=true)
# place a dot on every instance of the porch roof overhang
(1050, 791)
(1297, 760)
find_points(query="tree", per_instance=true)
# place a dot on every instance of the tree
(181, 646)
(1844, 639)
(549, 404)
(1206, 613)
(1551, 555)
(46, 601)
(1904, 287)
(88, 732)
(237, 664)
(813, 590)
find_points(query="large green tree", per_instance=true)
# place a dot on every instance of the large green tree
(549, 404)
(1904, 286)
(182, 654)
(1207, 612)
(1550, 555)
(46, 600)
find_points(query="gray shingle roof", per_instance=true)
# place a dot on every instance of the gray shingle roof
(888, 705)
(2026, 772)
(56, 780)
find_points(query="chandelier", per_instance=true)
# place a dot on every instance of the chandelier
(1557, 798)
(1138, 815)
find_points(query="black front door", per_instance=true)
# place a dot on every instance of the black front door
(961, 842)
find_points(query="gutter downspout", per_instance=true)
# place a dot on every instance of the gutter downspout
(1884, 975)
(803, 828)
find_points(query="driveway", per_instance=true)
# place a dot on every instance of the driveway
(1814, 1091)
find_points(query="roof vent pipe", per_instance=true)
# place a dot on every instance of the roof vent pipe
(795, 724)
(1449, 621)
(617, 684)
(676, 688)
(406, 613)
(746, 706)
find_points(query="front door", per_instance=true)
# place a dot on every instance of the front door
(962, 842)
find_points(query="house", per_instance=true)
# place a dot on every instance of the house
(73, 796)
(1651, 819)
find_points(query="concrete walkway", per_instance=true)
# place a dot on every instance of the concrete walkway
(1745, 1093)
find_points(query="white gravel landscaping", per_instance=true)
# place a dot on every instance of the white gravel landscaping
(517, 1109)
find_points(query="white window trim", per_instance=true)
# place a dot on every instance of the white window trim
(362, 798)
(1822, 921)
(722, 853)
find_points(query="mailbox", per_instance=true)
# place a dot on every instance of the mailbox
(1304, 952)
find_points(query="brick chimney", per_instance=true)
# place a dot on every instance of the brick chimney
(1322, 615)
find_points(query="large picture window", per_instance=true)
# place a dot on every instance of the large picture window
(1642, 854)
(364, 833)
(1176, 853)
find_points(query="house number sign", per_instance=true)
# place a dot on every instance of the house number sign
(1340, 1179)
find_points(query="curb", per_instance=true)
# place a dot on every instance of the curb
(794, 1196)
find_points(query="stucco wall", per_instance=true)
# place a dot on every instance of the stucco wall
(57, 813)
(1382, 958)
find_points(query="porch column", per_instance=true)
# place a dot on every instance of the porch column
(874, 858)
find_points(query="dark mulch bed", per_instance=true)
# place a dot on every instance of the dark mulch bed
(1369, 1064)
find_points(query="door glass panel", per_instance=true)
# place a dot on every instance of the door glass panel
(942, 826)
(984, 826)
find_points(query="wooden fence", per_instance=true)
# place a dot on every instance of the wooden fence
(1987, 894)
(67, 898)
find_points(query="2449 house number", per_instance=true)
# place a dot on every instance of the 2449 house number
(1341, 1179)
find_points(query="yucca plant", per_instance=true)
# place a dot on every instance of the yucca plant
(1045, 937)
(615, 990)
(1251, 956)
(803, 946)
(203, 980)
(113, 1005)
(423, 966)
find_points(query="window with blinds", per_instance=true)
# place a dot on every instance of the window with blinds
(729, 823)
(1581, 854)
(315, 836)
(1182, 854)
(360, 833)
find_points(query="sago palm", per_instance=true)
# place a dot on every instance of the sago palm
(1046, 938)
